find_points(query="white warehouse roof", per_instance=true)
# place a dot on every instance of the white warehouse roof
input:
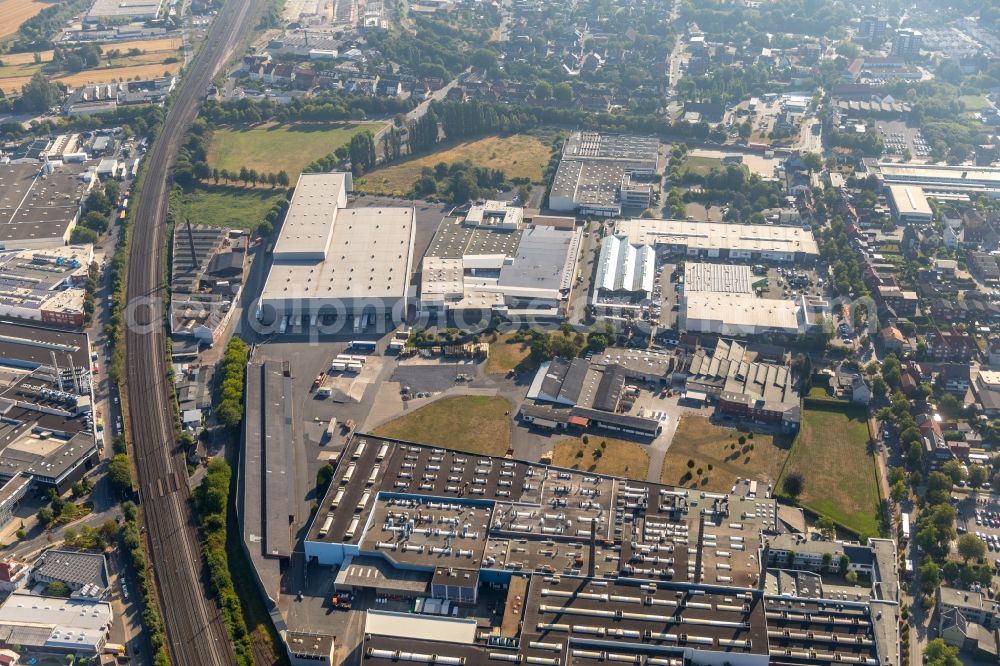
(718, 235)
(328, 254)
(738, 314)
(910, 200)
(721, 278)
(623, 266)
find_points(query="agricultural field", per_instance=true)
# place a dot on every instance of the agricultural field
(234, 207)
(831, 453)
(603, 455)
(477, 424)
(506, 355)
(18, 68)
(518, 156)
(16, 12)
(273, 147)
(720, 456)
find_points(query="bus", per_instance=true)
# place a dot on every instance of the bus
(363, 345)
(905, 527)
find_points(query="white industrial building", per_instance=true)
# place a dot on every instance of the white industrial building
(55, 624)
(721, 299)
(938, 179)
(600, 174)
(625, 275)
(909, 205)
(717, 240)
(334, 261)
(490, 261)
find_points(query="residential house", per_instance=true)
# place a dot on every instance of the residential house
(851, 386)
(984, 266)
(956, 630)
(893, 340)
(955, 378)
(951, 345)
(973, 605)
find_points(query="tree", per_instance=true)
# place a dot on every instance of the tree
(939, 653)
(851, 577)
(939, 488)
(111, 190)
(98, 200)
(899, 491)
(543, 90)
(95, 221)
(971, 547)
(282, 178)
(57, 589)
(813, 162)
(843, 564)
(950, 571)
(977, 475)
(120, 472)
(37, 96)
(929, 576)
(563, 92)
(826, 526)
(954, 469)
(83, 235)
(484, 60)
(793, 484)
(45, 516)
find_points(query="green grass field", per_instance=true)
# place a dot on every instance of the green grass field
(272, 147)
(706, 444)
(520, 155)
(505, 356)
(477, 424)
(831, 453)
(234, 207)
(974, 102)
(701, 165)
(618, 457)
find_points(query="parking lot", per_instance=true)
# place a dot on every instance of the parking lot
(898, 138)
(792, 283)
(981, 516)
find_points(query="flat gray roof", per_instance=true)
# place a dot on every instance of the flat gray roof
(718, 235)
(124, 9)
(540, 261)
(721, 278)
(593, 165)
(37, 208)
(454, 240)
(368, 255)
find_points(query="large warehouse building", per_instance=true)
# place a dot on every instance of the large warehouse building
(716, 240)
(331, 261)
(625, 275)
(909, 205)
(722, 299)
(602, 174)
(40, 204)
(486, 560)
(490, 260)
(938, 178)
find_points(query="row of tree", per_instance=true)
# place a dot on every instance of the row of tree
(211, 502)
(229, 409)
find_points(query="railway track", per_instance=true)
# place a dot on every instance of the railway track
(195, 631)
